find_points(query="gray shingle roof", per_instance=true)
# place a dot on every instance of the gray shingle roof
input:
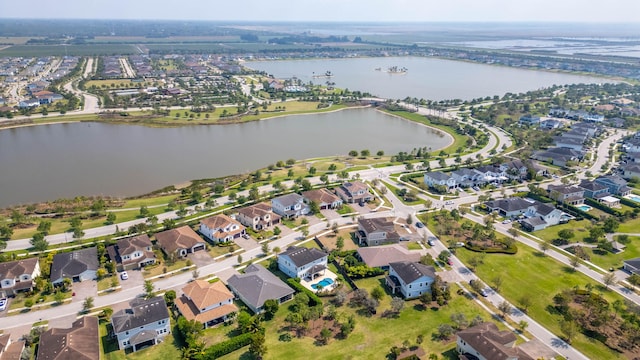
(68, 265)
(412, 271)
(142, 312)
(437, 175)
(301, 256)
(289, 199)
(509, 204)
(258, 285)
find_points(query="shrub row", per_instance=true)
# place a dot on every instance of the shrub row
(510, 250)
(313, 298)
(602, 207)
(226, 347)
(630, 203)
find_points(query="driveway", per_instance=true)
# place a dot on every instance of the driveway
(246, 244)
(330, 214)
(200, 258)
(84, 289)
(135, 279)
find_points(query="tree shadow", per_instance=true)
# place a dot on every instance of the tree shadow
(539, 254)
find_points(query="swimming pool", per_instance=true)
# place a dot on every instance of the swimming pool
(584, 207)
(633, 197)
(322, 284)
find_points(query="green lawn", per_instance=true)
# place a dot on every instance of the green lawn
(539, 278)
(373, 336)
(606, 259)
(630, 226)
(345, 209)
(159, 200)
(580, 229)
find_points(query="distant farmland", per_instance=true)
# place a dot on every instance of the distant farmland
(72, 50)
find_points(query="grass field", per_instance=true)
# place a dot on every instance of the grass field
(540, 278)
(70, 50)
(117, 84)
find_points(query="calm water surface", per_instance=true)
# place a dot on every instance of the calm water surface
(427, 78)
(65, 160)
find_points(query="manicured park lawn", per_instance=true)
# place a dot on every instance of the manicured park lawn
(530, 274)
(159, 200)
(608, 259)
(580, 229)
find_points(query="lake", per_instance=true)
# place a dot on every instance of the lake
(427, 78)
(66, 160)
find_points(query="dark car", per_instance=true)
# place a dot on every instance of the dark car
(419, 225)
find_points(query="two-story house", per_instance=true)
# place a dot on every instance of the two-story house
(541, 216)
(79, 342)
(221, 228)
(529, 120)
(289, 206)
(377, 231)
(180, 241)
(492, 174)
(514, 169)
(354, 192)
(303, 263)
(79, 265)
(208, 304)
(572, 195)
(144, 323)
(323, 197)
(10, 350)
(410, 279)
(438, 178)
(258, 217)
(16, 276)
(616, 184)
(258, 285)
(465, 177)
(594, 190)
(132, 253)
(486, 342)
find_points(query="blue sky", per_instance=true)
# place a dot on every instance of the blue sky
(332, 10)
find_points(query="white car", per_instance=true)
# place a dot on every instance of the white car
(124, 275)
(3, 304)
(508, 221)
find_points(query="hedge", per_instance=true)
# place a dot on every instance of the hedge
(313, 298)
(510, 250)
(580, 212)
(226, 347)
(630, 203)
(604, 208)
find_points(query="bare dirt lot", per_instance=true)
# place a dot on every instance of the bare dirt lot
(350, 241)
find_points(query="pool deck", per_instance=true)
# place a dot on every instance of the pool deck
(635, 198)
(327, 274)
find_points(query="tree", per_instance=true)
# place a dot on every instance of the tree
(569, 328)
(149, 289)
(314, 208)
(270, 307)
(610, 225)
(265, 248)
(574, 261)
(505, 308)
(58, 297)
(334, 227)
(111, 218)
(544, 246)
(377, 293)
(353, 153)
(325, 335)
(566, 234)
(445, 331)
(276, 231)
(169, 296)
(397, 304)
(144, 211)
(5, 232)
(525, 302)
(365, 153)
(190, 330)
(339, 243)
(44, 227)
(609, 279)
(522, 325)
(78, 233)
(87, 304)
(497, 283)
(38, 242)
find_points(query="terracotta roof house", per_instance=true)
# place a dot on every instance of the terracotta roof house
(180, 241)
(208, 304)
(80, 342)
(18, 275)
(132, 253)
(377, 231)
(145, 323)
(258, 285)
(410, 279)
(485, 341)
(323, 197)
(10, 350)
(381, 256)
(258, 217)
(354, 192)
(289, 206)
(79, 265)
(221, 228)
(303, 263)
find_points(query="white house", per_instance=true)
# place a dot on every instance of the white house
(221, 228)
(303, 263)
(438, 178)
(410, 279)
(145, 323)
(289, 206)
(132, 253)
(18, 275)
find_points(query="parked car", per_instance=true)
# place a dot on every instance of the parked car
(3, 304)
(449, 261)
(484, 292)
(476, 188)
(124, 275)
(507, 221)
(419, 224)
(448, 202)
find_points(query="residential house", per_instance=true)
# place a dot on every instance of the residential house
(16, 276)
(529, 119)
(616, 184)
(492, 174)
(514, 169)
(558, 156)
(79, 342)
(630, 171)
(572, 195)
(632, 145)
(541, 216)
(354, 192)
(289, 206)
(324, 198)
(465, 177)
(207, 303)
(29, 103)
(79, 265)
(632, 265)
(258, 217)
(486, 342)
(10, 350)
(382, 256)
(303, 263)
(510, 207)
(438, 178)
(377, 231)
(594, 190)
(258, 285)
(551, 124)
(132, 253)
(180, 241)
(410, 279)
(569, 143)
(144, 323)
(221, 228)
